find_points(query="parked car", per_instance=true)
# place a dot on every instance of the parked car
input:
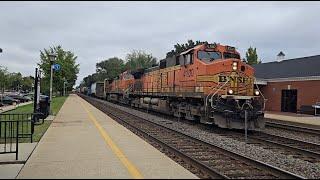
(28, 98)
(20, 98)
(9, 100)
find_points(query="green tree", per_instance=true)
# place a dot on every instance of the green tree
(14, 81)
(3, 78)
(69, 69)
(179, 48)
(88, 80)
(252, 56)
(27, 83)
(139, 60)
(109, 68)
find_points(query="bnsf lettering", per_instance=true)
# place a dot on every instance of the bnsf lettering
(233, 79)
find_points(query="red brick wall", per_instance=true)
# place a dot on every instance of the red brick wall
(308, 93)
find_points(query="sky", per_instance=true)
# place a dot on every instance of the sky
(96, 31)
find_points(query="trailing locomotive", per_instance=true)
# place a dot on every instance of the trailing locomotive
(208, 83)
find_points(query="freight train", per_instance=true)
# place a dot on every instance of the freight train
(208, 83)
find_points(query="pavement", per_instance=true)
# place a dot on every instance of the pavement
(293, 117)
(11, 107)
(9, 166)
(83, 142)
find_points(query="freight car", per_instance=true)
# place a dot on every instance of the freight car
(208, 83)
(97, 90)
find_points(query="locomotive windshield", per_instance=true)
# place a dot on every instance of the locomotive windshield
(208, 56)
(231, 55)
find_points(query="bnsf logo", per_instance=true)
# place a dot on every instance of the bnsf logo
(233, 79)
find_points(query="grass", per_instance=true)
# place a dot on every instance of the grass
(40, 129)
(57, 102)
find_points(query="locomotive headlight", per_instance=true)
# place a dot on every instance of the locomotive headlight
(230, 91)
(234, 66)
(257, 93)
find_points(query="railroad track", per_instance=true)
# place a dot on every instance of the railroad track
(298, 149)
(293, 127)
(205, 159)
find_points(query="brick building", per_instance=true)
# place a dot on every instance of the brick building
(290, 85)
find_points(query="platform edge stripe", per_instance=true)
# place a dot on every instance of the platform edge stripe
(116, 150)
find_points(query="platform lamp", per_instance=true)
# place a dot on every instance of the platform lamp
(52, 58)
(3, 84)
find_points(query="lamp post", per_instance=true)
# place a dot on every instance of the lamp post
(64, 86)
(52, 58)
(2, 88)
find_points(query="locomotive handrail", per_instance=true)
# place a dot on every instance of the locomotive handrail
(264, 99)
(206, 102)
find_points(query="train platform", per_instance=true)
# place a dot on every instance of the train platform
(306, 119)
(83, 142)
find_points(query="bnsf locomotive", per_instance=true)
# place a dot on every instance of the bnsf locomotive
(208, 83)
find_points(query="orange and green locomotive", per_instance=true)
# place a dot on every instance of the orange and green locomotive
(208, 83)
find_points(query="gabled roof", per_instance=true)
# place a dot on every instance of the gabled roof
(281, 53)
(298, 67)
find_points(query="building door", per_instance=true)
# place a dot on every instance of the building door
(289, 100)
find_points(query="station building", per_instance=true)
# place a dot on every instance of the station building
(290, 85)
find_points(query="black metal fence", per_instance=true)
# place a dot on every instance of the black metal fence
(15, 128)
(9, 137)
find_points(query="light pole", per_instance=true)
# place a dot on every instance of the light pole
(2, 88)
(52, 58)
(64, 86)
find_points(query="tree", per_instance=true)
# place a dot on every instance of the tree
(179, 48)
(69, 69)
(27, 83)
(3, 77)
(252, 56)
(88, 80)
(139, 60)
(109, 68)
(14, 81)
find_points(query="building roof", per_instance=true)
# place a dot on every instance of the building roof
(281, 53)
(298, 67)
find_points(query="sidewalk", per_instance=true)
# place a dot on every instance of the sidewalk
(11, 107)
(9, 166)
(83, 142)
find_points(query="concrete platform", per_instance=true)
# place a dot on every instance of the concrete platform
(83, 142)
(293, 117)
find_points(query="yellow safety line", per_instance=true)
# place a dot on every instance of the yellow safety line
(116, 150)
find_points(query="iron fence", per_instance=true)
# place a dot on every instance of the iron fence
(9, 137)
(15, 128)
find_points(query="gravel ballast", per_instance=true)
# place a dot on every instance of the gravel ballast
(296, 166)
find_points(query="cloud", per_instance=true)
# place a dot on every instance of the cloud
(98, 30)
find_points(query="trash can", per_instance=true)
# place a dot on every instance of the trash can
(44, 107)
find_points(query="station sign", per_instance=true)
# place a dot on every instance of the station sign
(56, 67)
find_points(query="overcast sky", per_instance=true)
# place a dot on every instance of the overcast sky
(99, 30)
